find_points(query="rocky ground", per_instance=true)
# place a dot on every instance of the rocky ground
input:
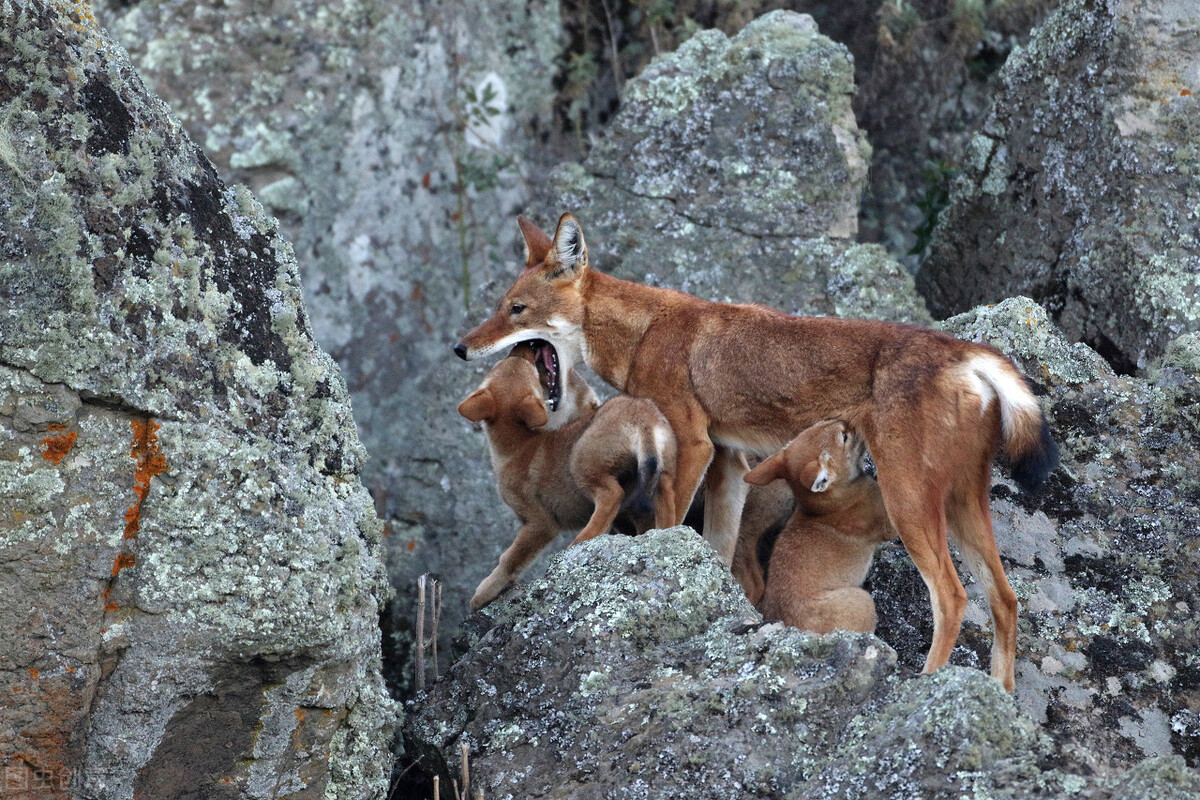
(192, 551)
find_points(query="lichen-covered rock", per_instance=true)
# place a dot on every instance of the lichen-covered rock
(192, 565)
(393, 141)
(1081, 187)
(1105, 560)
(635, 668)
(637, 665)
(733, 171)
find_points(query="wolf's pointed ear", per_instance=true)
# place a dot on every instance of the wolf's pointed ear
(773, 468)
(568, 254)
(480, 406)
(532, 413)
(537, 243)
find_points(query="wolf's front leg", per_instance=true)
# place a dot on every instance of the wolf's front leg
(724, 497)
(694, 451)
(531, 539)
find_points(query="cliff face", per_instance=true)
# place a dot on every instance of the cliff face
(734, 172)
(192, 565)
(1080, 187)
(395, 143)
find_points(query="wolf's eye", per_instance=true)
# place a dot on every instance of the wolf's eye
(517, 308)
(845, 437)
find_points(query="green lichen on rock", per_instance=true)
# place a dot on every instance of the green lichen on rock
(733, 171)
(638, 665)
(1081, 194)
(176, 453)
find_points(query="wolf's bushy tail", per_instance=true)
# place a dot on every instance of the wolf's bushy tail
(1030, 449)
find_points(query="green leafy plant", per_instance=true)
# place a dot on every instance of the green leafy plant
(937, 177)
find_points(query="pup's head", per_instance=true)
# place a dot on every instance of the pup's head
(823, 457)
(543, 307)
(576, 396)
(511, 391)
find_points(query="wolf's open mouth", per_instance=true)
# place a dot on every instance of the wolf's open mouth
(545, 359)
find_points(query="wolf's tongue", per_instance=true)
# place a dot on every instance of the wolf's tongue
(547, 355)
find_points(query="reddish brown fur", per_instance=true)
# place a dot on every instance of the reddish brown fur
(823, 553)
(748, 378)
(563, 479)
(766, 507)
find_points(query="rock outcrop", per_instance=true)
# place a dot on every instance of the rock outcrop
(635, 667)
(734, 172)
(1081, 187)
(192, 566)
(393, 140)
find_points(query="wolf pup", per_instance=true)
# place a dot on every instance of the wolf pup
(572, 477)
(934, 410)
(821, 558)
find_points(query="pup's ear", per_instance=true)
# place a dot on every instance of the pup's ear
(568, 254)
(773, 468)
(537, 243)
(532, 412)
(479, 406)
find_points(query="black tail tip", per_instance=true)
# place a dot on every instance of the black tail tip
(1032, 468)
(643, 498)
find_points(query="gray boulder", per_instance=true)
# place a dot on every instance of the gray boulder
(635, 668)
(193, 573)
(1080, 187)
(733, 172)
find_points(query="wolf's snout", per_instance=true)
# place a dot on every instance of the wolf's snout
(460, 350)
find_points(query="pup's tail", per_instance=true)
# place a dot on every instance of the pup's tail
(1031, 451)
(649, 473)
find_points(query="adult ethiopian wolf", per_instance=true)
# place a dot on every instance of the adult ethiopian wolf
(933, 409)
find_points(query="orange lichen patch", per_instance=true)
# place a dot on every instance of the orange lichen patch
(150, 461)
(57, 447)
(122, 561)
(111, 606)
(1185, 92)
(33, 673)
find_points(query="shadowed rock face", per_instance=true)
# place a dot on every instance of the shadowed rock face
(192, 565)
(1080, 189)
(635, 667)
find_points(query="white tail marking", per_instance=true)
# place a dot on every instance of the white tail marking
(989, 377)
(661, 440)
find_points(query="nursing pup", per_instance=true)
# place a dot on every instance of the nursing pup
(581, 474)
(934, 410)
(821, 558)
